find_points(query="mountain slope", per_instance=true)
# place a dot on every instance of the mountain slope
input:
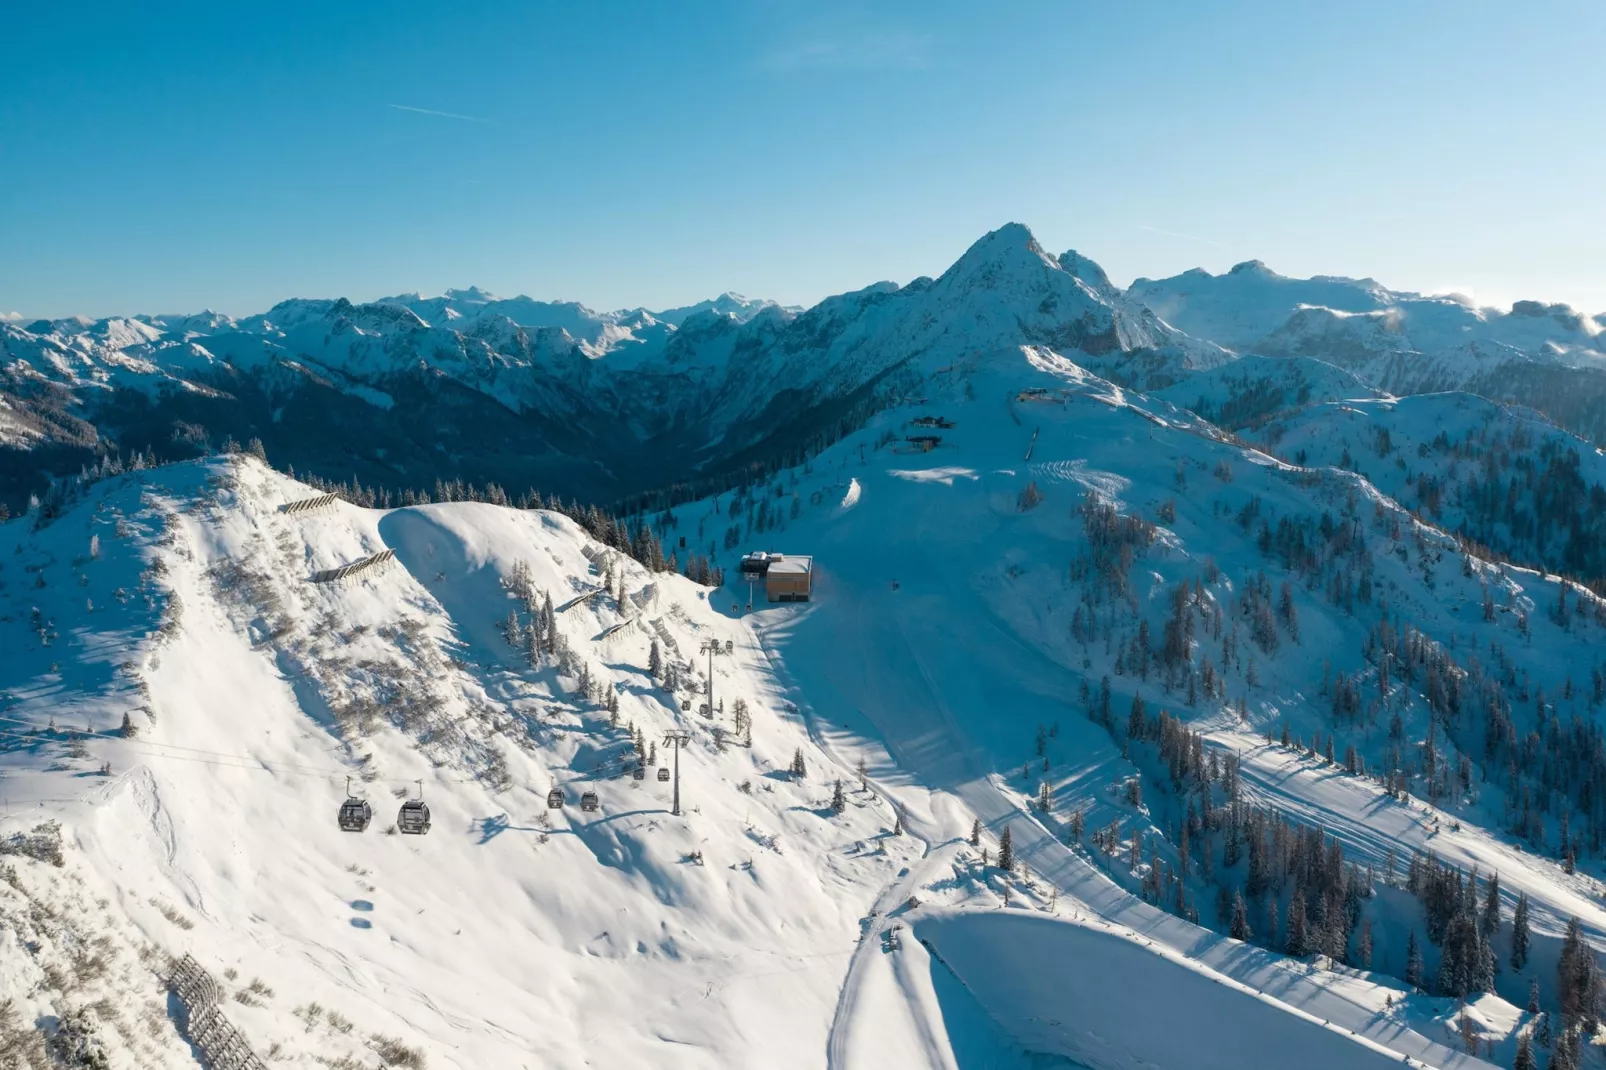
(510, 932)
(409, 390)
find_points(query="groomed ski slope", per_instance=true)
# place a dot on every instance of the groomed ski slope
(954, 668)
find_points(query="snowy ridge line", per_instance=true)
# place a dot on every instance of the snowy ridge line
(206, 1027)
(307, 505)
(334, 575)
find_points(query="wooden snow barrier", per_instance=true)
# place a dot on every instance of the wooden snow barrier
(307, 505)
(613, 629)
(344, 572)
(585, 596)
(205, 1026)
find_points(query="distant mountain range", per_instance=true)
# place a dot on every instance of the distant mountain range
(409, 389)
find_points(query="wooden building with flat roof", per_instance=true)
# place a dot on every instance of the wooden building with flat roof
(789, 578)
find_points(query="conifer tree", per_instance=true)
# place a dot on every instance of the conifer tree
(839, 801)
(1565, 1057)
(550, 621)
(1296, 939)
(1413, 962)
(1240, 917)
(800, 769)
(1006, 850)
(1525, 1054)
(1519, 932)
(975, 832)
(1136, 719)
(1489, 922)
(1578, 983)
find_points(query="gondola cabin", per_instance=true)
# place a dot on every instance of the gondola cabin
(554, 799)
(588, 802)
(414, 818)
(355, 814)
(663, 774)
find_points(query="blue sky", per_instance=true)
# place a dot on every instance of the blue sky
(178, 156)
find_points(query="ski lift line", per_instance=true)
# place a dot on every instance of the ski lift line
(255, 766)
(147, 743)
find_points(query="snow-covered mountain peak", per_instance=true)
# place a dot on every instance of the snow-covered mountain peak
(1010, 252)
(728, 303)
(1080, 267)
(473, 295)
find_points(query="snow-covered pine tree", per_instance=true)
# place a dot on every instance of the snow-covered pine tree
(655, 660)
(1240, 918)
(799, 769)
(1006, 850)
(975, 832)
(1519, 932)
(1566, 1055)
(1578, 979)
(1489, 922)
(839, 801)
(1297, 938)
(1525, 1054)
(549, 620)
(1413, 962)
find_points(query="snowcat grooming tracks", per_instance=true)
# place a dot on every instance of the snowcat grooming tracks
(356, 568)
(310, 505)
(205, 1026)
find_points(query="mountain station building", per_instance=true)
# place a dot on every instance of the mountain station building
(787, 577)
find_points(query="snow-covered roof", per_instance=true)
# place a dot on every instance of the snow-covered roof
(791, 563)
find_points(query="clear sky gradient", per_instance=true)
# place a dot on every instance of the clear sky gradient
(161, 157)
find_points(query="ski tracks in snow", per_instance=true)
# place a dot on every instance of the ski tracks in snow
(847, 1018)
